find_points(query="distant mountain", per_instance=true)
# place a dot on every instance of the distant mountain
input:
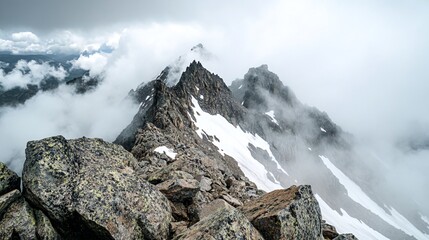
(18, 95)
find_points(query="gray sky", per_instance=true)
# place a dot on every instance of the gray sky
(48, 15)
(364, 62)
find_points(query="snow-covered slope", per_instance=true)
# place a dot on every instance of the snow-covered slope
(234, 142)
(393, 217)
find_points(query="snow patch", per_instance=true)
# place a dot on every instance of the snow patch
(201, 97)
(309, 148)
(167, 151)
(344, 223)
(148, 96)
(271, 115)
(234, 142)
(240, 86)
(393, 218)
(322, 129)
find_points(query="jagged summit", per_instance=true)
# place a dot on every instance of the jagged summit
(257, 84)
(162, 104)
(262, 91)
(175, 69)
(197, 47)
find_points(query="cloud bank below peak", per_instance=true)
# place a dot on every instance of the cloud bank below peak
(58, 42)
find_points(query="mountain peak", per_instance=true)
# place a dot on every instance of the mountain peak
(197, 47)
(262, 77)
(256, 84)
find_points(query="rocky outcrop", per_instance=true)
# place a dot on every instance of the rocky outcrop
(7, 199)
(347, 236)
(225, 222)
(8, 180)
(329, 231)
(18, 222)
(21, 221)
(89, 188)
(286, 214)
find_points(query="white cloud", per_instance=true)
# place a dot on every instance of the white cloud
(63, 42)
(3, 64)
(30, 73)
(94, 63)
(25, 37)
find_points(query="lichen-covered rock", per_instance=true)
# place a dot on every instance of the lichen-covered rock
(212, 207)
(329, 231)
(225, 222)
(179, 189)
(286, 214)
(7, 199)
(18, 222)
(347, 236)
(205, 183)
(231, 200)
(8, 180)
(89, 189)
(44, 227)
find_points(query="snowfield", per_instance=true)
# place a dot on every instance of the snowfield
(344, 223)
(393, 218)
(234, 142)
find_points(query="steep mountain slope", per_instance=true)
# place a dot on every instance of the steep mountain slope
(276, 141)
(317, 152)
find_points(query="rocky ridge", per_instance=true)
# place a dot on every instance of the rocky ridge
(170, 184)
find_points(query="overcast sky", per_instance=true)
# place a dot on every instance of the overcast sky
(363, 62)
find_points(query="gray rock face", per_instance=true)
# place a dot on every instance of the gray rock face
(89, 189)
(286, 214)
(179, 189)
(212, 207)
(329, 231)
(225, 222)
(18, 222)
(44, 227)
(8, 180)
(7, 199)
(347, 236)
